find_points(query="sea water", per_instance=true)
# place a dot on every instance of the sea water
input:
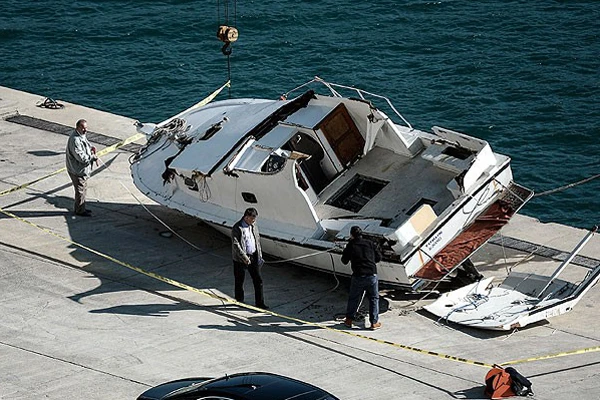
(523, 75)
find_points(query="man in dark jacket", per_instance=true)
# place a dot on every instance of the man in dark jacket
(247, 255)
(363, 256)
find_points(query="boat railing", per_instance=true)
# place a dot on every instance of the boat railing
(360, 92)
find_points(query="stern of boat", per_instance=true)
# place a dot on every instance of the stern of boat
(436, 265)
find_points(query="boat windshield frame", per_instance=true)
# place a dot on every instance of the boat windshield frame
(361, 93)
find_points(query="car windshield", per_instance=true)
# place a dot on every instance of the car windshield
(255, 386)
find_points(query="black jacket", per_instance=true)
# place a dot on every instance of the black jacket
(363, 256)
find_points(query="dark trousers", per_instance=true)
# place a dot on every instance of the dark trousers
(360, 285)
(80, 186)
(239, 273)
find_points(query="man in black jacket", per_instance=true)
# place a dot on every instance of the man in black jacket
(247, 255)
(363, 256)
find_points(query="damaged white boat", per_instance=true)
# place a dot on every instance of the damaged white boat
(317, 164)
(521, 299)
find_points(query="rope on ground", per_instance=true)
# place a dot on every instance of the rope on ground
(316, 253)
(154, 215)
(337, 283)
(51, 104)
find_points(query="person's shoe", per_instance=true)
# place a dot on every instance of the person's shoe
(86, 213)
(348, 323)
(263, 306)
(375, 326)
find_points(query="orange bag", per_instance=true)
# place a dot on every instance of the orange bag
(498, 383)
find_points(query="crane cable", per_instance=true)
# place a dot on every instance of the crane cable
(227, 33)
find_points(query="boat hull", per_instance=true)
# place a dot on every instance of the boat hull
(316, 165)
(325, 258)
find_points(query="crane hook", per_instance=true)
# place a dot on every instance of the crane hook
(227, 35)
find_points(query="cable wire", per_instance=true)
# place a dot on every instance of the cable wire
(568, 186)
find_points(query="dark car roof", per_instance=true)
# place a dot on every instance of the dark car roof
(263, 385)
(257, 385)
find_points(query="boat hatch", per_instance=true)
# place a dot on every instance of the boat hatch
(356, 193)
(340, 132)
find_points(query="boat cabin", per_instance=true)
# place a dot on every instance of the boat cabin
(322, 163)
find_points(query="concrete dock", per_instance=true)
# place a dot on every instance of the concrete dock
(108, 306)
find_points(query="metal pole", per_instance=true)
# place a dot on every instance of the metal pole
(569, 259)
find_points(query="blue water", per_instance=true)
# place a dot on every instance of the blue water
(524, 75)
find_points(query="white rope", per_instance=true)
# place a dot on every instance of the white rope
(299, 257)
(153, 215)
(204, 189)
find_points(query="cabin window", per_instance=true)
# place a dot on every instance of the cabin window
(249, 197)
(313, 166)
(355, 194)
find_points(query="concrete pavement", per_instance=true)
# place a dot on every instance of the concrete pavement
(78, 323)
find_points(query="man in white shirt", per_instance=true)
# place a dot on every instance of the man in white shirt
(247, 255)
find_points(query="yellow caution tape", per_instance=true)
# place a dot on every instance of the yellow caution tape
(201, 103)
(286, 317)
(122, 143)
(232, 301)
(100, 153)
(556, 355)
(14, 189)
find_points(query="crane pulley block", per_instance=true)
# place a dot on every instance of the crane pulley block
(227, 34)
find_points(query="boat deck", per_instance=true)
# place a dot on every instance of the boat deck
(411, 181)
